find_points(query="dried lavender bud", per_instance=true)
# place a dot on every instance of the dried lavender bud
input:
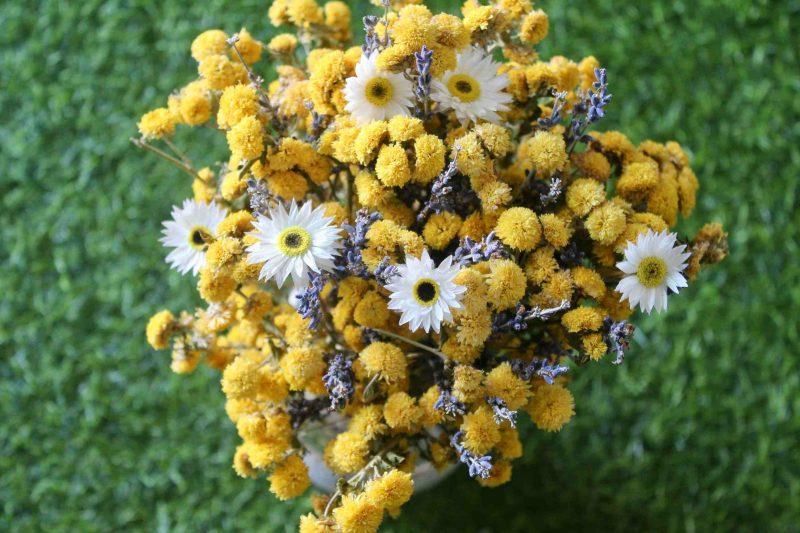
(476, 466)
(448, 404)
(309, 304)
(519, 322)
(501, 412)
(385, 271)
(338, 380)
(618, 337)
(471, 252)
(350, 260)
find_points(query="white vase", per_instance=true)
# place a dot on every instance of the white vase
(317, 434)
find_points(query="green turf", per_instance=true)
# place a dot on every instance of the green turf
(698, 430)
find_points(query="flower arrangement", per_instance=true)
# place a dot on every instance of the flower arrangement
(419, 236)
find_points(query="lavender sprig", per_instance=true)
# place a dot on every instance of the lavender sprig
(471, 252)
(338, 380)
(260, 197)
(301, 409)
(519, 322)
(589, 109)
(371, 40)
(423, 60)
(385, 271)
(618, 337)
(309, 304)
(350, 259)
(501, 412)
(440, 191)
(448, 404)
(555, 115)
(538, 367)
(477, 466)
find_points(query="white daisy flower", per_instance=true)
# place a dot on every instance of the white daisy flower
(294, 242)
(473, 89)
(653, 263)
(375, 95)
(189, 233)
(424, 294)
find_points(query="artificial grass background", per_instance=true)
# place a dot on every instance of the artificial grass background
(698, 430)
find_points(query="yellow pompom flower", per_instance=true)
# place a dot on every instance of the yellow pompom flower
(385, 359)
(637, 179)
(589, 281)
(159, 328)
(503, 383)
(349, 451)
(594, 345)
(505, 283)
(460, 353)
(370, 138)
(283, 44)
(540, 265)
(220, 72)
(583, 319)
(356, 514)
(195, 109)
(467, 383)
(210, 42)
(391, 490)
(157, 124)
(301, 365)
(593, 165)
(546, 152)
(551, 407)
(241, 379)
(555, 229)
(403, 128)
(289, 479)
(429, 155)
(237, 102)
(480, 430)
(401, 412)
(605, 223)
(304, 13)
(585, 194)
(248, 47)
(519, 228)
(392, 166)
(534, 27)
(368, 422)
(246, 138)
(215, 286)
(372, 311)
(440, 229)
(473, 326)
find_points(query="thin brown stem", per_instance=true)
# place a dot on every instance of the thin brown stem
(409, 341)
(139, 143)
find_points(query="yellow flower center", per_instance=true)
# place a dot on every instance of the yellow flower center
(200, 237)
(426, 291)
(464, 87)
(294, 241)
(651, 272)
(379, 91)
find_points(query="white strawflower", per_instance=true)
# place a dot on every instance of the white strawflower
(473, 89)
(653, 264)
(424, 294)
(375, 95)
(294, 243)
(189, 233)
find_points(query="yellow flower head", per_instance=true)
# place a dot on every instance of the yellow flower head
(519, 228)
(385, 359)
(551, 407)
(159, 328)
(289, 479)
